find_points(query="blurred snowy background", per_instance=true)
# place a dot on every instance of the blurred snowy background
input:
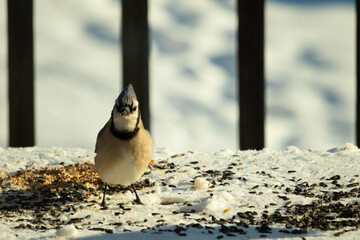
(310, 72)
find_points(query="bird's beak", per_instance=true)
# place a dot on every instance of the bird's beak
(124, 110)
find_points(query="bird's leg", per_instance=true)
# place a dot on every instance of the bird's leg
(103, 203)
(137, 200)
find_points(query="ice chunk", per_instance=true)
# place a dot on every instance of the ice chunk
(350, 147)
(219, 202)
(293, 149)
(68, 231)
(201, 183)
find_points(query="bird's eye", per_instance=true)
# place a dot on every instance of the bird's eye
(133, 109)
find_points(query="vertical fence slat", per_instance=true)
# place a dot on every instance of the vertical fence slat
(21, 73)
(135, 52)
(357, 73)
(251, 73)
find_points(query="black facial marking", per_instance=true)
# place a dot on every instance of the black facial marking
(124, 135)
(125, 109)
(117, 107)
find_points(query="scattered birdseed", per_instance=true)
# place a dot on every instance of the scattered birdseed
(39, 199)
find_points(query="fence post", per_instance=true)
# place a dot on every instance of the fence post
(251, 73)
(21, 73)
(135, 52)
(357, 73)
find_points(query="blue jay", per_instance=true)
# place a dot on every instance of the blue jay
(124, 147)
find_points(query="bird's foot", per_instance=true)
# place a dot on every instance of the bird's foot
(103, 203)
(138, 201)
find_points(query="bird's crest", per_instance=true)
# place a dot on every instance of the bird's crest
(127, 96)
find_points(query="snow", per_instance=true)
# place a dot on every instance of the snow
(189, 189)
(310, 73)
(219, 203)
(22, 158)
(68, 231)
(201, 183)
(350, 147)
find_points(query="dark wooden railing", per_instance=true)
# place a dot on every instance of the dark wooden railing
(135, 52)
(357, 73)
(251, 73)
(21, 73)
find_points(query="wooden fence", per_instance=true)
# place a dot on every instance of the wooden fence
(21, 73)
(135, 52)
